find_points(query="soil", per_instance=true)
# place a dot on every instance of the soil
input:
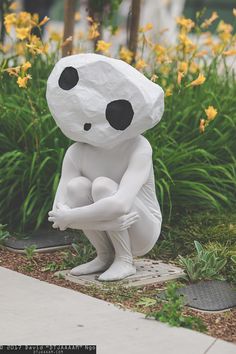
(220, 325)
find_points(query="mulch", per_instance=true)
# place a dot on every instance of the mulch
(220, 325)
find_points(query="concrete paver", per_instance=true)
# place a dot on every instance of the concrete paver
(36, 312)
(219, 347)
(148, 272)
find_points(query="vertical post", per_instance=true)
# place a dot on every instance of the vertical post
(2, 32)
(69, 21)
(134, 26)
(95, 9)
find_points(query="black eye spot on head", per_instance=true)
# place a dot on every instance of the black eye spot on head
(69, 78)
(119, 114)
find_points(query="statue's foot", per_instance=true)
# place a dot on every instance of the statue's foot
(117, 271)
(95, 266)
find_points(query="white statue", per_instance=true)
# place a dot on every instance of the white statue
(107, 186)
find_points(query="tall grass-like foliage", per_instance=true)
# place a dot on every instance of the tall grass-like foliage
(196, 170)
(32, 150)
(193, 169)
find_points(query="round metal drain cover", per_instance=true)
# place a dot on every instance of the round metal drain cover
(211, 295)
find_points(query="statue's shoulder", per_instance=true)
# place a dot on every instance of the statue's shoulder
(74, 149)
(143, 145)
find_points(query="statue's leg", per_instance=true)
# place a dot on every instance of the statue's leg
(79, 194)
(123, 264)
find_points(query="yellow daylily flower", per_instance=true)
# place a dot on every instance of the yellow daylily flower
(24, 19)
(126, 55)
(183, 67)
(36, 46)
(103, 46)
(23, 32)
(180, 77)
(186, 23)
(199, 81)
(224, 27)
(229, 52)
(9, 21)
(168, 92)
(14, 6)
(225, 31)
(93, 31)
(26, 66)
(146, 28)
(89, 19)
(211, 112)
(22, 81)
(210, 20)
(77, 16)
(140, 64)
(14, 71)
(201, 53)
(154, 78)
(44, 20)
(55, 36)
(202, 125)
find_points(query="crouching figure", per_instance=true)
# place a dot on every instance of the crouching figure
(107, 186)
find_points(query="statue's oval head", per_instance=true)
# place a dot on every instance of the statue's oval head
(102, 101)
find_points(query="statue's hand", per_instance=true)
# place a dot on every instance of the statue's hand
(123, 222)
(60, 217)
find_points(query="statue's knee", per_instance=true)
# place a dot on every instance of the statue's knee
(103, 187)
(78, 186)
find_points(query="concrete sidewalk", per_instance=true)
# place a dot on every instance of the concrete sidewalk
(35, 312)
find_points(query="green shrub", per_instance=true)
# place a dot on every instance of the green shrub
(32, 150)
(205, 265)
(4, 234)
(172, 311)
(196, 170)
(81, 253)
(192, 170)
(30, 252)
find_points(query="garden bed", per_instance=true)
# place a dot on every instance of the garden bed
(193, 154)
(221, 325)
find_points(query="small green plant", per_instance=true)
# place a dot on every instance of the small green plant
(30, 252)
(172, 311)
(225, 250)
(233, 258)
(81, 253)
(146, 302)
(50, 267)
(205, 265)
(29, 267)
(231, 274)
(4, 234)
(61, 276)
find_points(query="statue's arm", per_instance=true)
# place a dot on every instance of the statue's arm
(119, 224)
(68, 172)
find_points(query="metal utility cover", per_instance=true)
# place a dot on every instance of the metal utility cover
(44, 240)
(208, 295)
